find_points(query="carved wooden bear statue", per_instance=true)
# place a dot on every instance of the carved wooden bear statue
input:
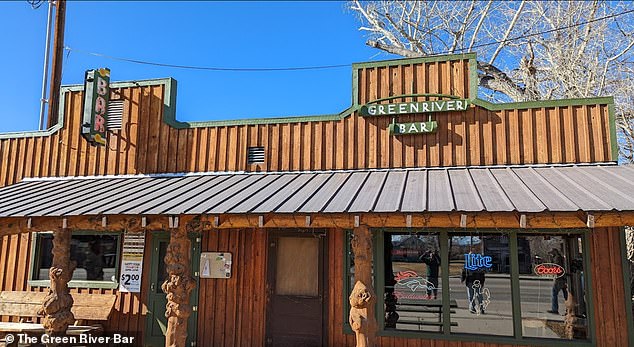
(360, 300)
(57, 304)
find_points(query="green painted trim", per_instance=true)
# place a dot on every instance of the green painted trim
(515, 287)
(379, 276)
(627, 290)
(77, 284)
(417, 60)
(196, 249)
(544, 103)
(613, 139)
(35, 256)
(589, 288)
(585, 241)
(347, 329)
(443, 239)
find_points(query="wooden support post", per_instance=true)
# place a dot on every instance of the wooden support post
(58, 301)
(363, 298)
(178, 285)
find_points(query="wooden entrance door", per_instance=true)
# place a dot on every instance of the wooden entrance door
(295, 290)
(156, 323)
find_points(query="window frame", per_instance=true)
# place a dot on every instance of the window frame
(446, 334)
(88, 284)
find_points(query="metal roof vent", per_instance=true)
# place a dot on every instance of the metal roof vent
(115, 114)
(255, 155)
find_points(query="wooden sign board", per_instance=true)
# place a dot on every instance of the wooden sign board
(415, 107)
(413, 128)
(215, 265)
(96, 97)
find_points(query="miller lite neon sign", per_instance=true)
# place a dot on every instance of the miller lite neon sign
(477, 261)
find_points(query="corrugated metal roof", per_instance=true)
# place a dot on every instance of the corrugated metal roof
(493, 189)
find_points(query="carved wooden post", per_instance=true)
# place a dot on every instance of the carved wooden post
(178, 286)
(58, 302)
(362, 299)
(571, 316)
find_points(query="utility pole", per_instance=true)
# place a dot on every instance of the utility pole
(56, 66)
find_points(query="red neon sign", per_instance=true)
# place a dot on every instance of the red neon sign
(549, 270)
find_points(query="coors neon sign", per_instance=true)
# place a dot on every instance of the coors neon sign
(549, 270)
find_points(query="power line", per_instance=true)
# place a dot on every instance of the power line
(211, 68)
(549, 31)
(323, 67)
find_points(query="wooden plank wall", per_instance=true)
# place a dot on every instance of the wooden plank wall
(129, 312)
(571, 134)
(231, 312)
(609, 291)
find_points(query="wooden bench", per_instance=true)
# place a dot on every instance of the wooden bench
(433, 307)
(86, 308)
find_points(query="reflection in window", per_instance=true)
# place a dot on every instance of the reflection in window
(480, 284)
(413, 297)
(552, 287)
(95, 255)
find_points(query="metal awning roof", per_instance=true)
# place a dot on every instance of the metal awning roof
(491, 189)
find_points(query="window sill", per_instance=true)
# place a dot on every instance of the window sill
(529, 341)
(77, 284)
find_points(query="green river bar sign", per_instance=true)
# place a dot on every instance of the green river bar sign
(96, 97)
(415, 107)
(413, 128)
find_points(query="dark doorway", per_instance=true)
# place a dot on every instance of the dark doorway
(295, 289)
(156, 323)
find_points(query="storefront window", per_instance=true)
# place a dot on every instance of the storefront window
(480, 284)
(412, 288)
(552, 286)
(96, 256)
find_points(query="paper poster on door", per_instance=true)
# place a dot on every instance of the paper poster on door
(132, 262)
(215, 265)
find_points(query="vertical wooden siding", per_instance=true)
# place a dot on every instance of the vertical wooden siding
(608, 288)
(567, 134)
(231, 312)
(129, 312)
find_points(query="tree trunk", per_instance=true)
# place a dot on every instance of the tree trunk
(363, 298)
(58, 301)
(178, 286)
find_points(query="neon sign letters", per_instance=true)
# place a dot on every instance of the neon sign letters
(550, 270)
(476, 261)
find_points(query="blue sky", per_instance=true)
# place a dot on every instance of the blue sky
(218, 34)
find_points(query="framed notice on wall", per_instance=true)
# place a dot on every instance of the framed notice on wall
(132, 262)
(215, 265)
